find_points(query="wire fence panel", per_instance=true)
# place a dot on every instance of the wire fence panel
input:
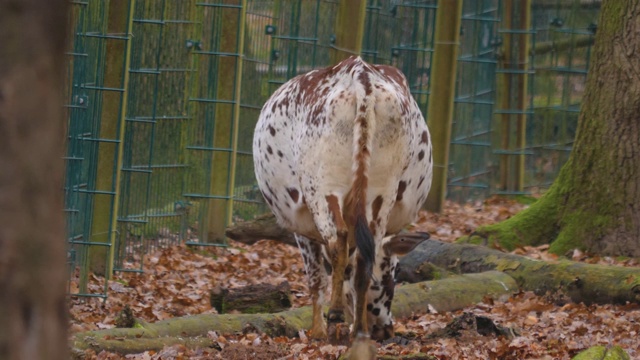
(471, 160)
(560, 56)
(96, 93)
(153, 166)
(213, 107)
(163, 97)
(260, 24)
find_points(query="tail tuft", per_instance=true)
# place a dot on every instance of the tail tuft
(365, 243)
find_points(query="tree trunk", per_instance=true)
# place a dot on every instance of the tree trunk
(594, 203)
(32, 242)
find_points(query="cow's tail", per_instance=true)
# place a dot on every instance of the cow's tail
(363, 131)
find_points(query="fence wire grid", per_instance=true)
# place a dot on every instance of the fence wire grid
(163, 96)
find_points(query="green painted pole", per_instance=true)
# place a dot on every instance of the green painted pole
(349, 29)
(441, 107)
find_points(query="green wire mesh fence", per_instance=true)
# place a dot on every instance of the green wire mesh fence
(560, 57)
(163, 97)
(471, 160)
(96, 94)
(400, 33)
(152, 209)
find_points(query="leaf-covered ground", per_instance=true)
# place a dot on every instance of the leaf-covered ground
(177, 280)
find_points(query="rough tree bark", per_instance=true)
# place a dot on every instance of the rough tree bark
(594, 203)
(32, 242)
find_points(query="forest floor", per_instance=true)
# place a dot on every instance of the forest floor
(177, 280)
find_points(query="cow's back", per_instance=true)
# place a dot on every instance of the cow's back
(304, 147)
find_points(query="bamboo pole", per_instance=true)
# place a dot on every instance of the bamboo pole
(236, 110)
(349, 29)
(120, 151)
(441, 107)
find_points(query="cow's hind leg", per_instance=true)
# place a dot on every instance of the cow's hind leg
(317, 274)
(338, 246)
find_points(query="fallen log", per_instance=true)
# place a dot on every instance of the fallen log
(450, 294)
(603, 353)
(252, 299)
(582, 282)
(588, 283)
(261, 228)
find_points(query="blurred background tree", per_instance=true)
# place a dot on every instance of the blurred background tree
(33, 312)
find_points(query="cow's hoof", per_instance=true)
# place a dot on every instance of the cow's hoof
(335, 316)
(318, 333)
(362, 349)
(382, 333)
(338, 333)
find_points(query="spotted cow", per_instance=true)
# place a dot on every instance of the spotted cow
(342, 156)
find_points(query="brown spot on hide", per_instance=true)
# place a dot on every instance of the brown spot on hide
(402, 186)
(425, 138)
(272, 130)
(294, 193)
(421, 155)
(376, 206)
(268, 198)
(269, 150)
(366, 82)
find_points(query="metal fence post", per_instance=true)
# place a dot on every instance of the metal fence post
(441, 107)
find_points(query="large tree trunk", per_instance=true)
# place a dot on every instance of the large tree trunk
(594, 203)
(33, 310)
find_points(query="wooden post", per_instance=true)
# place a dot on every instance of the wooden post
(349, 29)
(523, 67)
(228, 80)
(116, 76)
(504, 94)
(440, 111)
(514, 79)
